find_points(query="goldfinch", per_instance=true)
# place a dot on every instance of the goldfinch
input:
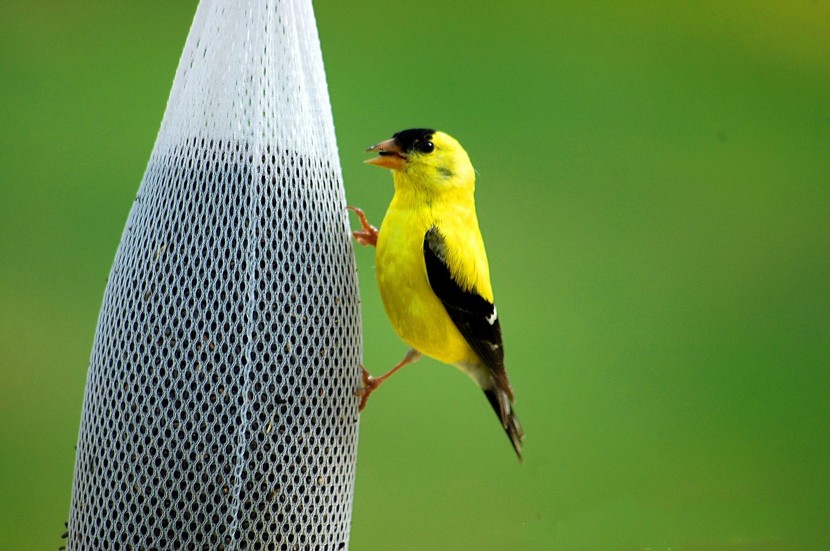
(432, 268)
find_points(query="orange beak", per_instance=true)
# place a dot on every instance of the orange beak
(389, 155)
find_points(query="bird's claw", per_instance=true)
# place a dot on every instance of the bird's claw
(370, 384)
(369, 234)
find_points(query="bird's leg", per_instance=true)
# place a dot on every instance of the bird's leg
(369, 234)
(370, 384)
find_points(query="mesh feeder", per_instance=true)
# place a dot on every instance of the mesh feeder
(219, 410)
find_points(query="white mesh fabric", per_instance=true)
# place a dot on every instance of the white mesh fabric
(219, 410)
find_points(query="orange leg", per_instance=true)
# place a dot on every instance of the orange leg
(369, 234)
(370, 384)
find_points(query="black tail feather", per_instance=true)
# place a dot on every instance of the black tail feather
(504, 410)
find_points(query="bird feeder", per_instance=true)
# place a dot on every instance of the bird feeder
(220, 408)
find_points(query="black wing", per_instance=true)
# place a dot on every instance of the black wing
(478, 322)
(475, 317)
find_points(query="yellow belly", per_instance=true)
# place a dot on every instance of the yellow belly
(416, 314)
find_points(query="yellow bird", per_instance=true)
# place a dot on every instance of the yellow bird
(432, 268)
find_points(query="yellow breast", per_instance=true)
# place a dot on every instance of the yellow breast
(416, 314)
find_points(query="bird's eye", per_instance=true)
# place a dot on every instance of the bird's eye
(426, 147)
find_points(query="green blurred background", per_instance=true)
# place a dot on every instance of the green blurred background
(654, 191)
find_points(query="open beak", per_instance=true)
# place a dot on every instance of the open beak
(389, 155)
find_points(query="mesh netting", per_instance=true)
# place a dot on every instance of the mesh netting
(219, 410)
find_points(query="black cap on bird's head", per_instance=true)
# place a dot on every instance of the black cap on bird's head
(393, 152)
(415, 139)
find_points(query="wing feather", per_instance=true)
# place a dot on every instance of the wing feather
(474, 316)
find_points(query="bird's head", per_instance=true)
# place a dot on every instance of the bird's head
(425, 157)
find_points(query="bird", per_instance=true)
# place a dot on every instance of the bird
(432, 269)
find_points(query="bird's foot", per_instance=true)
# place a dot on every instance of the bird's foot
(370, 384)
(369, 234)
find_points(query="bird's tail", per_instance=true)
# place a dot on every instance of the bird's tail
(500, 400)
